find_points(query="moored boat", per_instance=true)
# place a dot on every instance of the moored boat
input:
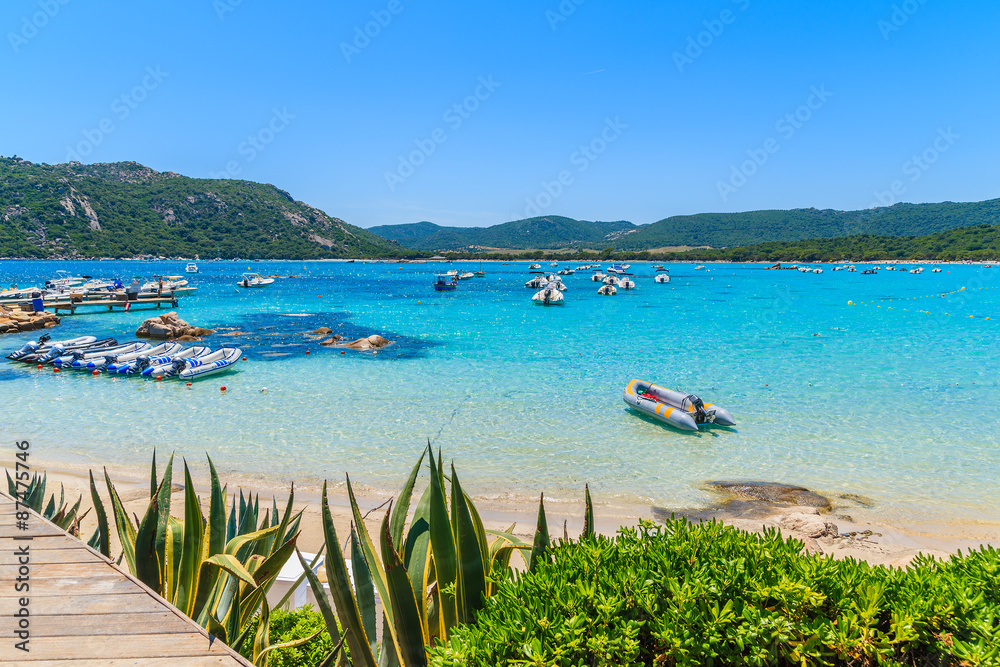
(661, 278)
(251, 280)
(168, 366)
(683, 411)
(548, 296)
(446, 282)
(607, 290)
(215, 362)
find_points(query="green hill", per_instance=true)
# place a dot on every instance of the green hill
(549, 232)
(741, 229)
(124, 209)
(977, 243)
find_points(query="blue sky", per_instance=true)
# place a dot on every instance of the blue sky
(392, 111)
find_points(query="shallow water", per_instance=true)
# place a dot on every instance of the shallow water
(879, 400)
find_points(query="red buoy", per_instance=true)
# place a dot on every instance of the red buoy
(39, 366)
(96, 373)
(222, 388)
(244, 358)
(55, 370)
(189, 384)
(342, 352)
(159, 378)
(308, 352)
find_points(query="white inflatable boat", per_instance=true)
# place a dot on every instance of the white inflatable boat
(79, 360)
(168, 366)
(123, 364)
(215, 362)
(684, 411)
(548, 296)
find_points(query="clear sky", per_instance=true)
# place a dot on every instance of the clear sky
(476, 113)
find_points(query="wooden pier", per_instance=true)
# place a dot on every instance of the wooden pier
(109, 304)
(86, 612)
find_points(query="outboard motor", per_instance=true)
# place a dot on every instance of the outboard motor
(176, 367)
(141, 364)
(701, 415)
(56, 351)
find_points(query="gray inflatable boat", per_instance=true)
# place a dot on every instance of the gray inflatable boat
(684, 411)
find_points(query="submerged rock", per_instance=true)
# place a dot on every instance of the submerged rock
(333, 340)
(373, 342)
(322, 331)
(772, 492)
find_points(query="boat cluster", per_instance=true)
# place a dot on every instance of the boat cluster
(162, 361)
(83, 288)
(551, 287)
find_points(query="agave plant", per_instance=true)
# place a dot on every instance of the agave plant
(430, 577)
(216, 571)
(33, 496)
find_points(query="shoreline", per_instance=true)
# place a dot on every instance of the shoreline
(821, 533)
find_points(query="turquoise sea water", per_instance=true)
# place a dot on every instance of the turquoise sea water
(879, 400)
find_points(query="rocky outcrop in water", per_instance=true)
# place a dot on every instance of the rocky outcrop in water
(16, 320)
(373, 342)
(170, 326)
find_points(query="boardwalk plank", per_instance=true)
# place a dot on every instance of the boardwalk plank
(188, 661)
(125, 603)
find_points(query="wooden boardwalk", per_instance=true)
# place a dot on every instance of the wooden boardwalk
(85, 611)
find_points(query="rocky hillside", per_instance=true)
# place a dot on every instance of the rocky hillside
(124, 209)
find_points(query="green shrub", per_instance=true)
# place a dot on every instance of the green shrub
(685, 594)
(290, 625)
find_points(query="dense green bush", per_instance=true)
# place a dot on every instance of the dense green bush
(287, 626)
(685, 594)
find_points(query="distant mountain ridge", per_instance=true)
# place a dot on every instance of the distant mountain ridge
(124, 209)
(544, 233)
(716, 230)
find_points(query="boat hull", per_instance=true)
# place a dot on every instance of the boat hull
(672, 407)
(216, 362)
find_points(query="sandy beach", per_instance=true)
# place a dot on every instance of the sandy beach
(821, 532)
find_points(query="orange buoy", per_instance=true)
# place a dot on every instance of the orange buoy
(308, 352)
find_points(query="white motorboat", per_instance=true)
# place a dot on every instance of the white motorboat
(566, 272)
(611, 280)
(607, 290)
(598, 276)
(661, 278)
(536, 282)
(534, 266)
(935, 270)
(215, 362)
(626, 282)
(191, 268)
(548, 296)
(466, 275)
(251, 280)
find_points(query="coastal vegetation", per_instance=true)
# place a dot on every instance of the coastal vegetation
(125, 209)
(715, 230)
(674, 593)
(979, 243)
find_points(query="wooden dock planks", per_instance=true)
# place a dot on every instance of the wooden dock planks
(86, 611)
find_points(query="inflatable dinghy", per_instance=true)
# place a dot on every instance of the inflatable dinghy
(684, 411)
(59, 350)
(84, 360)
(43, 344)
(123, 364)
(168, 366)
(548, 296)
(215, 362)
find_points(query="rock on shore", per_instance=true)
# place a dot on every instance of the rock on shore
(170, 326)
(14, 321)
